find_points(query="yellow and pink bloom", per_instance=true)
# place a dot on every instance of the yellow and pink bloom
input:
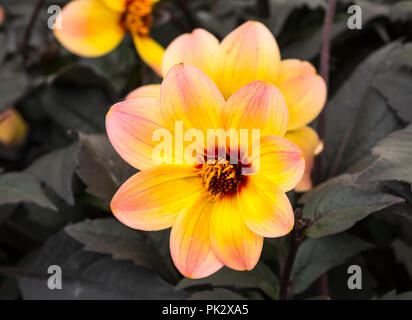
(219, 215)
(92, 28)
(250, 53)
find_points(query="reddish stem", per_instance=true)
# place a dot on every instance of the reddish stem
(27, 32)
(324, 72)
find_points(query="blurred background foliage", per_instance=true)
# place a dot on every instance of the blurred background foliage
(56, 187)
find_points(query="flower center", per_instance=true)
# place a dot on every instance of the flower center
(138, 17)
(220, 178)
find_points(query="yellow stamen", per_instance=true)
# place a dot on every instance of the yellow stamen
(220, 178)
(138, 17)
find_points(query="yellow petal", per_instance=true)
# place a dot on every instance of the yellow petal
(292, 68)
(188, 95)
(152, 199)
(234, 244)
(89, 28)
(130, 126)
(258, 105)
(265, 208)
(116, 5)
(148, 91)
(247, 54)
(304, 92)
(199, 48)
(308, 141)
(281, 161)
(150, 51)
(13, 128)
(190, 241)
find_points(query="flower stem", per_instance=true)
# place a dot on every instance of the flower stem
(18, 272)
(296, 237)
(324, 72)
(27, 32)
(284, 284)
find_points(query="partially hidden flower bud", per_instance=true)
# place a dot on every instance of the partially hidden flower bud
(13, 128)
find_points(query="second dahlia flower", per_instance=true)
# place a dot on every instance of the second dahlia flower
(250, 53)
(219, 211)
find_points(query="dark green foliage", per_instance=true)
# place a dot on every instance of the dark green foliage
(56, 188)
